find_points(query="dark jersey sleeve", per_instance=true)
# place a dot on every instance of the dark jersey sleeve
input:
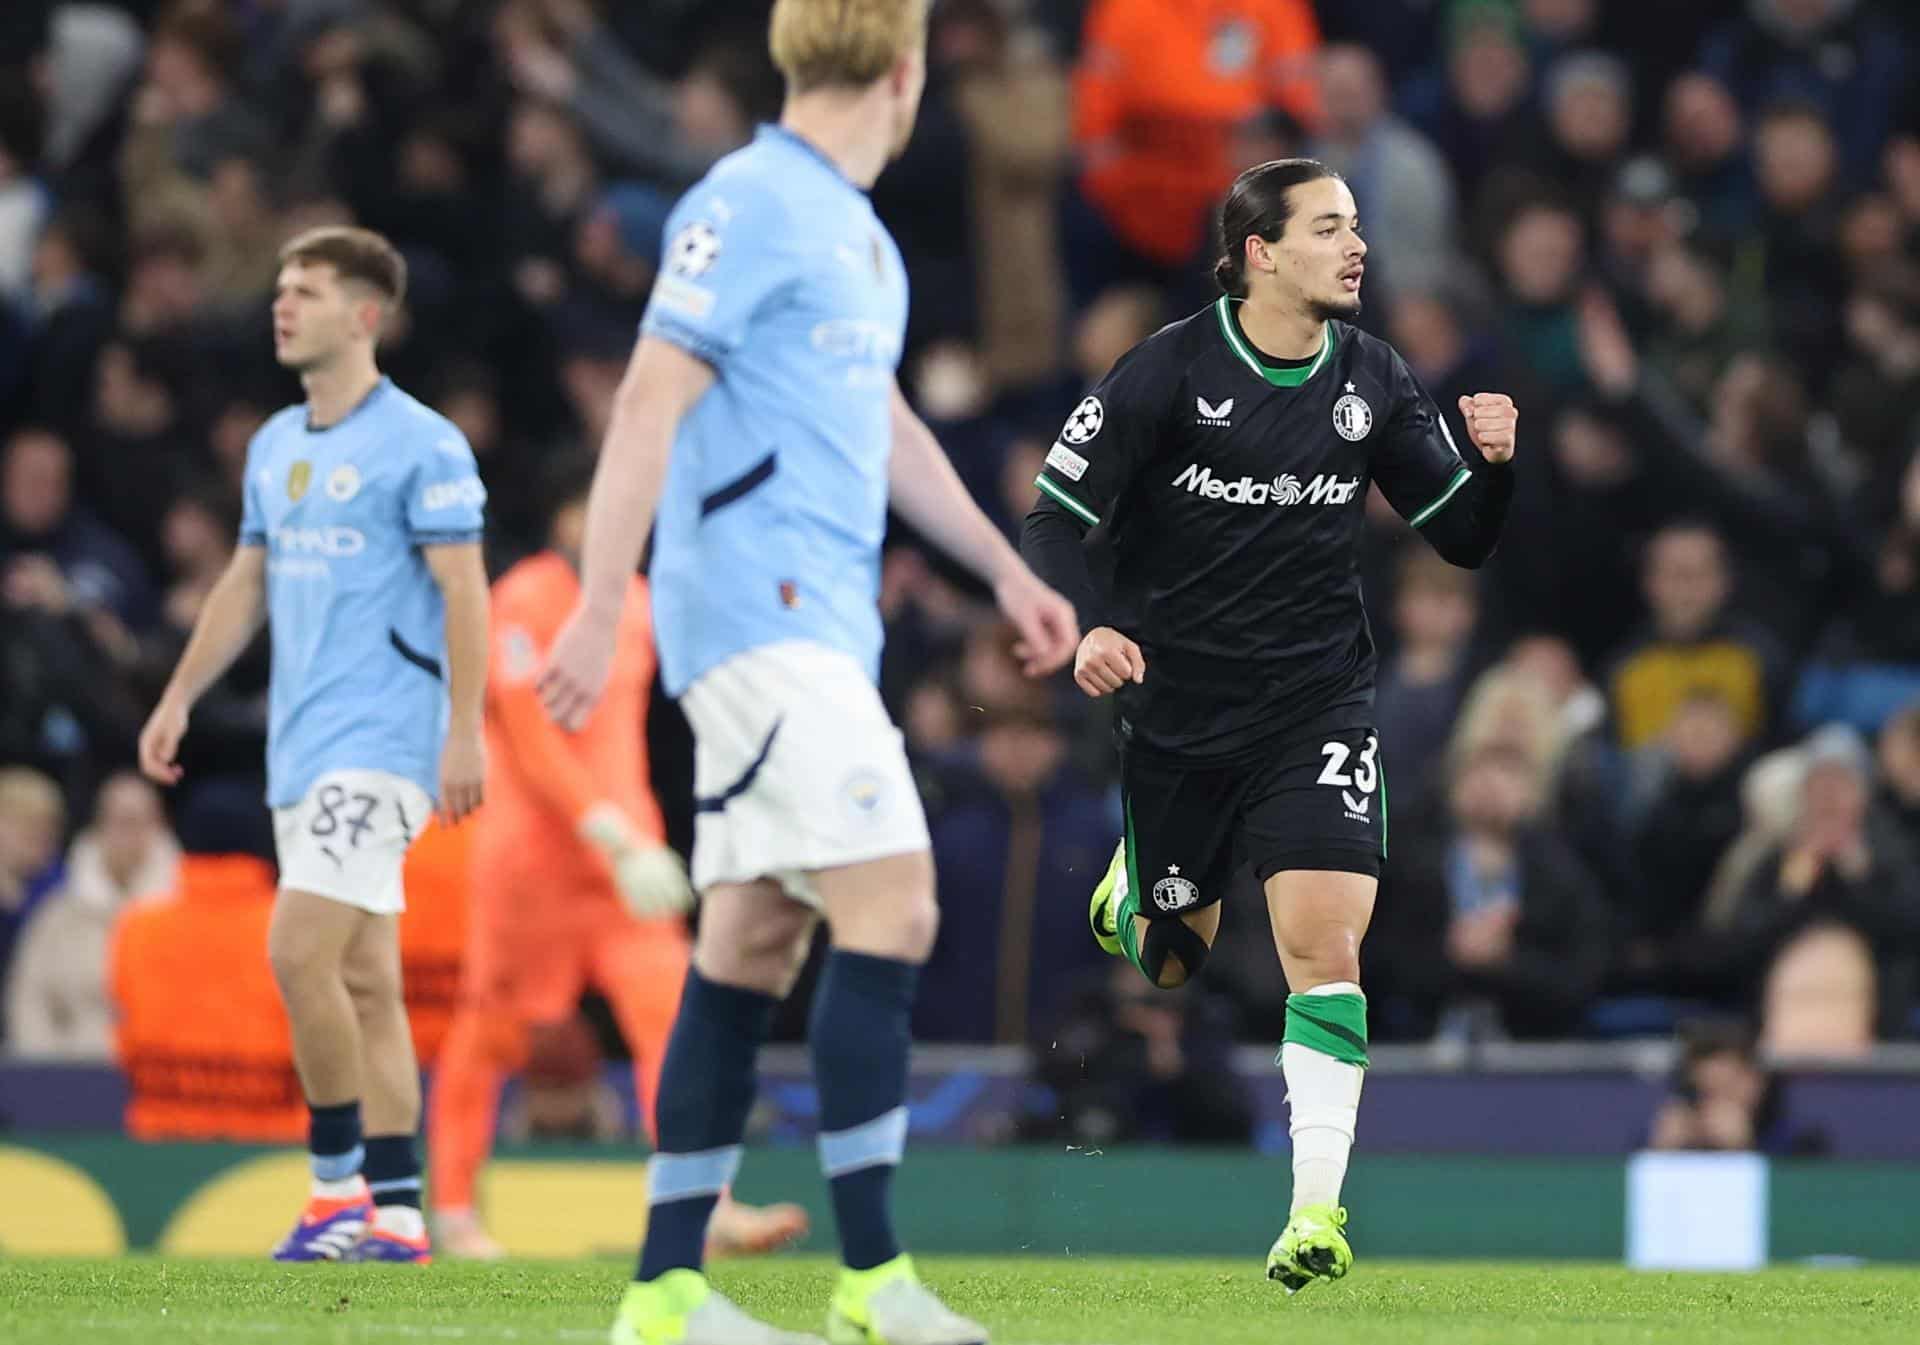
(1460, 509)
(1415, 462)
(1106, 439)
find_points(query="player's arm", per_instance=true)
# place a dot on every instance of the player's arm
(235, 608)
(1102, 445)
(1460, 506)
(662, 383)
(927, 492)
(461, 572)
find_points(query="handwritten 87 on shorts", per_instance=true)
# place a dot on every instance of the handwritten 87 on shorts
(1318, 802)
(348, 838)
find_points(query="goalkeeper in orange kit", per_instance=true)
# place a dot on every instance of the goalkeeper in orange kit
(573, 887)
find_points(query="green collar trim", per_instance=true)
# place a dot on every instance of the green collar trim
(1279, 378)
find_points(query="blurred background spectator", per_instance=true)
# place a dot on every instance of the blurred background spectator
(1690, 251)
(57, 1001)
(1127, 1063)
(1724, 1098)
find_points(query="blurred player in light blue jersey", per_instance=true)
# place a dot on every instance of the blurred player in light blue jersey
(761, 420)
(360, 546)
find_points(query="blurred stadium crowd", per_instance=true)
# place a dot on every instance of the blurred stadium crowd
(1661, 755)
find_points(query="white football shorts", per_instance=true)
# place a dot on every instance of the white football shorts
(796, 767)
(348, 838)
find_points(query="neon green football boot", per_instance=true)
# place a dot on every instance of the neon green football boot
(681, 1308)
(1103, 911)
(888, 1305)
(1313, 1246)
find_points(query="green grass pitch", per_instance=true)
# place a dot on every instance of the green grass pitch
(1026, 1300)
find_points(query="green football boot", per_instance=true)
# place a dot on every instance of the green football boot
(888, 1305)
(681, 1308)
(1103, 910)
(1313, 1246)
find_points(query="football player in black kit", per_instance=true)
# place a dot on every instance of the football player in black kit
(1227, 457)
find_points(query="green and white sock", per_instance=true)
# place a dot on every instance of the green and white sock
(1324, 1058)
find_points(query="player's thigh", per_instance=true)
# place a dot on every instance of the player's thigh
(797, 770)
(308, 936)
(1313, 826)
(1179, 840)
(752, 936)
(883, 907)
(1319, 918)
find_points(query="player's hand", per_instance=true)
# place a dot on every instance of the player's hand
(577, 668)
(653, 882)
(652, 879)
(463, 773)
(160, 741)
(1107, 661)
(1044, 621)
(1492, 420)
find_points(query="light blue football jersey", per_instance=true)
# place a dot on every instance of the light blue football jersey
(357, 621)
(778, 274)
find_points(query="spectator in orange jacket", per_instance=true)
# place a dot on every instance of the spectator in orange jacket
(1161, 87)
(203, 1035)
(573, 886)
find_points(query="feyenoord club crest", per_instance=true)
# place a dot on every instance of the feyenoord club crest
(1352, 417)
(1174, 893)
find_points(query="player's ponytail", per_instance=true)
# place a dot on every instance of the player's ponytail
(1258, 206)
(1230, 272)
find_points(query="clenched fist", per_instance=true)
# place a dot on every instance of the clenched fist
(1492, 420)
(1107, 661)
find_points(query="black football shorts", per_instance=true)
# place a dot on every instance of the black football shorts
(1315, 803)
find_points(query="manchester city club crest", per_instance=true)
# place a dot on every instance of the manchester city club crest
(864, 793)
(1352, 417)
(299, 477)
(344, 483)
(1174, 893)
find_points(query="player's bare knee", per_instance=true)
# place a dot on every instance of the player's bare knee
(299, 968)
(375, 991)
(764, 955)
(1319, 954)
(918, 925)
(884, 907)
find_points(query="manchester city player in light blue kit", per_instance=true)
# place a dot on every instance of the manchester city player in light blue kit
(761, 419)
(360, 547)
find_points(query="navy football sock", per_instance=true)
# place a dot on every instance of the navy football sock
(706, 1090)
(860, 1035)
